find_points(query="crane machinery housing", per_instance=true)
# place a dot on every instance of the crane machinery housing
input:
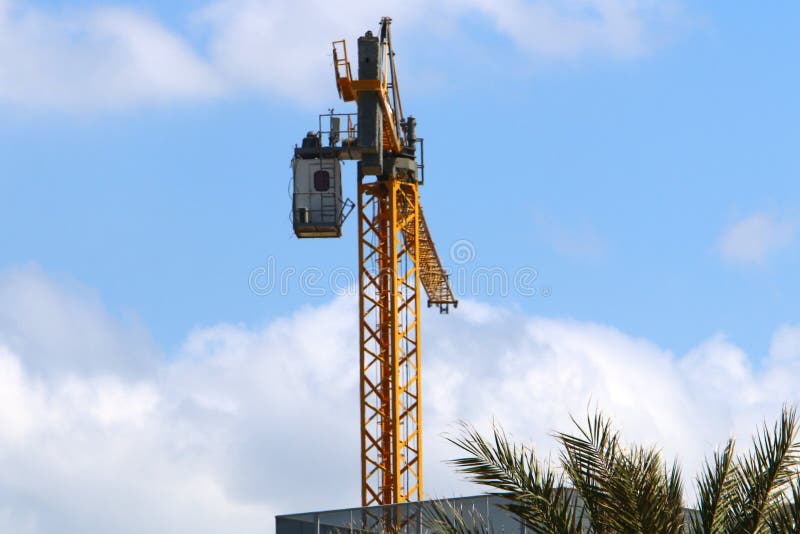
(395, 255)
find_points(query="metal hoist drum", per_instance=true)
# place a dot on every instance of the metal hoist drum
(317, 209)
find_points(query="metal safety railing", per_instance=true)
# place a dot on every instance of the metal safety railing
(339, 129)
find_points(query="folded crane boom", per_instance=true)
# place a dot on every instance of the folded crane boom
(396, 255)
(434, 278)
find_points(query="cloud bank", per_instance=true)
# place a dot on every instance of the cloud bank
(100, 58)
(754, 239)
(101, 433)
(111, 57)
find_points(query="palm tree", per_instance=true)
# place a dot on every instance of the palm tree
(599, 486)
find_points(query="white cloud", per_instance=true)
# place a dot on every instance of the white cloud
(284, 48)
(115, 57)
(68, 330)
(98, 58)
(567, 29)
(243, 423)
(754, 239)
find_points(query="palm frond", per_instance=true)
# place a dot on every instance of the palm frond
(623, 491)
(786, 518)
(716, 490)
(603, 487)
(766, 472)
(657, 499)
(588, 459)
(443, 517)
(536, 491)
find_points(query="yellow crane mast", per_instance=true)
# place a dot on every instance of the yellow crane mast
(396, 255)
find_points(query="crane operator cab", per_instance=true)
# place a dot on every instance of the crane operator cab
(317, 198)
(317, 206)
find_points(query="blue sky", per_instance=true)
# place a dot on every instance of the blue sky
(613, 174)
(640, 156)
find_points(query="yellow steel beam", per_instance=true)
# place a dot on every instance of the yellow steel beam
(432, 273)
(349, 88)
(391, 422)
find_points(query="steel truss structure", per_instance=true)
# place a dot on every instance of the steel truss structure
(389, 306)
(397, 259)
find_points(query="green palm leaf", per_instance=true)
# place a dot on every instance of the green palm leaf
(786, 518)
(445, 517)
(716, 490)
(765, 473)
(601, 487)
(623, 491)
(538, 495)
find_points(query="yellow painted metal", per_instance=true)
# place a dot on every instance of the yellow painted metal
(389, 307)
(390, 138)
(396, 255)
(341, 69)
(366, 85)
(432, 274)
(349, 88)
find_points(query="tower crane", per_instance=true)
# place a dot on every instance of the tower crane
(395, 255)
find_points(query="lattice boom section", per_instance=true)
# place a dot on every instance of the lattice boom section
(432, 274)
(389, 306)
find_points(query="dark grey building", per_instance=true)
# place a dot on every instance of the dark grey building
(406, 518)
